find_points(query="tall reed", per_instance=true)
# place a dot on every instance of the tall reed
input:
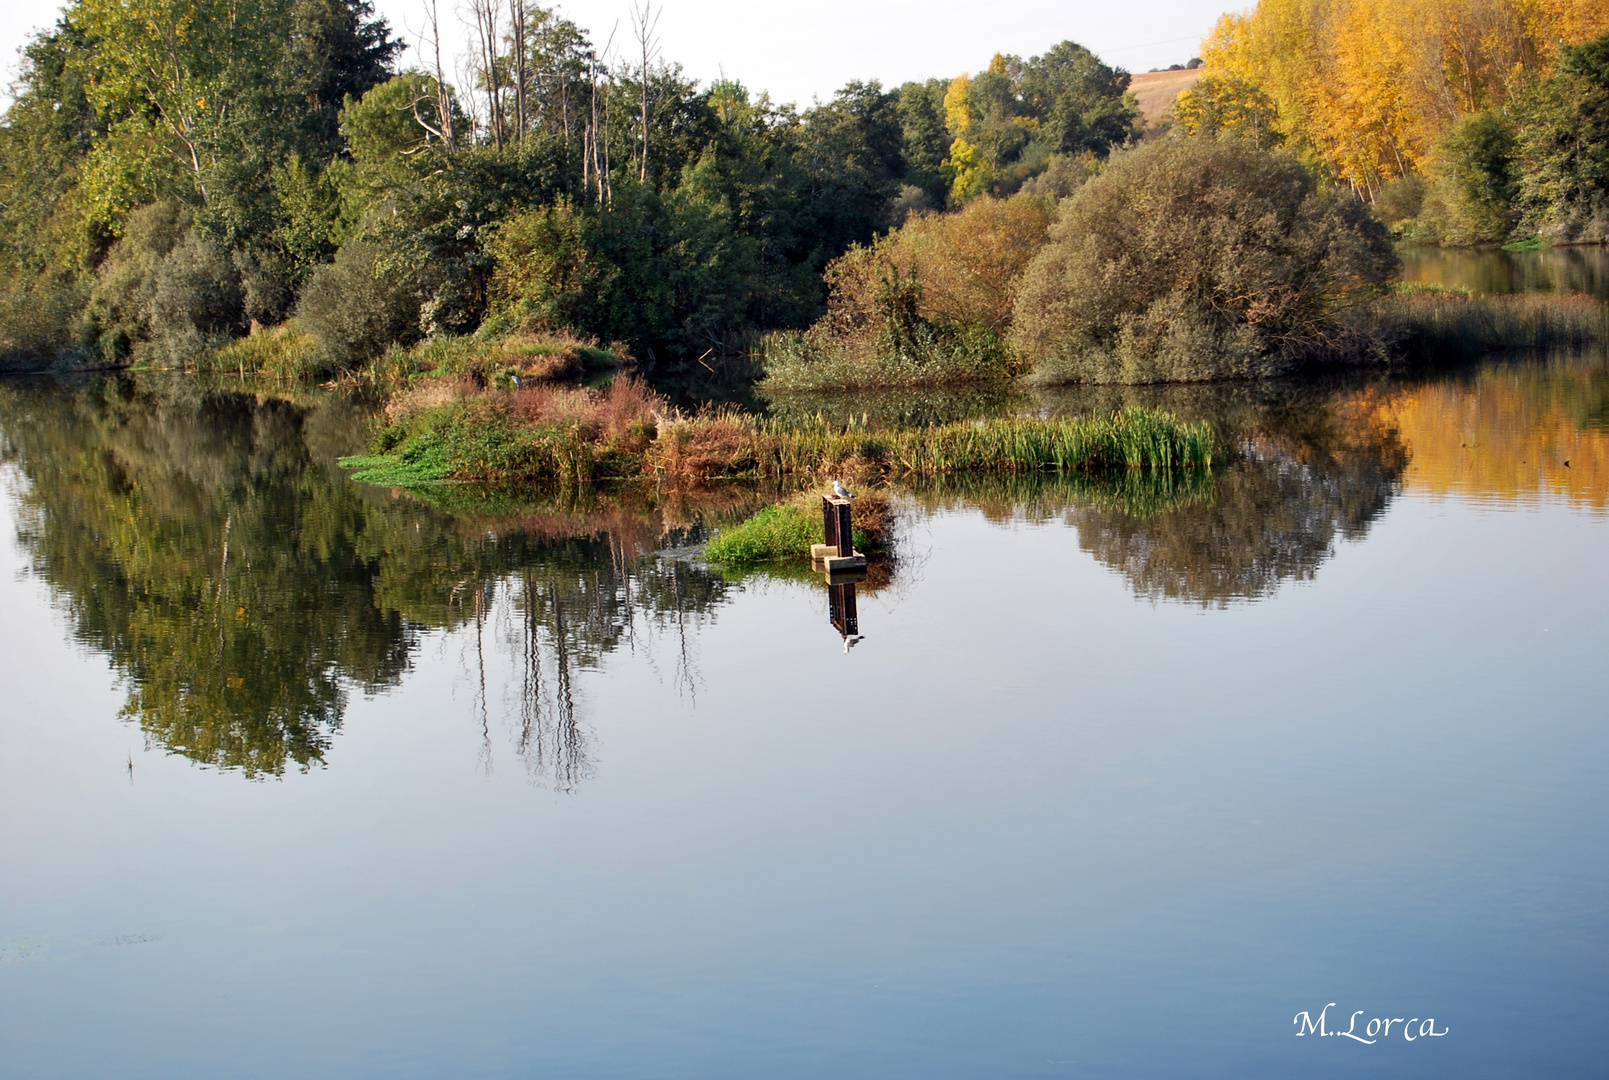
(1436, 323)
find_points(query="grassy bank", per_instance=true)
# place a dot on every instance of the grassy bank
(818, 359)
(573, 435)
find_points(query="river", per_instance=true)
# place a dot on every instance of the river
(301, 777)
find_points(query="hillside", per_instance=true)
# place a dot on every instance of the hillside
(1155, 91)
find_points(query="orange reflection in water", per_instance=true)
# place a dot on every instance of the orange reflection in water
(1505, 434)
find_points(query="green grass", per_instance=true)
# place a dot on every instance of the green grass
(278, 353)
(775, 534)
(492, 358)
(1130, 439)
(1526, 245)
(480, 442)
(409, 468)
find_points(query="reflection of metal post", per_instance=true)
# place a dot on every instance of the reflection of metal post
(841, 603)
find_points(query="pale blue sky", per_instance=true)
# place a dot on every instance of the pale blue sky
(798, 51)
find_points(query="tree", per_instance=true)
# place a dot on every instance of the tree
(1189, 259)
(1228, 105)
(1563, 150)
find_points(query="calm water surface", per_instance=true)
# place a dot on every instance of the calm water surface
(304, 778)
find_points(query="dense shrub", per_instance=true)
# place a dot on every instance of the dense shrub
(1063, 175)
(1563, 182)
(1191, 259)
(165, 293)
(40, 325)
(1474, 183)
(929, 302)
(547, 272)
(357, 306)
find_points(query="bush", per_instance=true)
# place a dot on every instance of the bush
(40, 321)
(165, 293)
(279, 352)
(546, 274)
(1564, 147)
(1193, 259)
(929, 302)
(1400, 201)
(1471, 199)
(356, 307)
(194, 303)
(1063, 175)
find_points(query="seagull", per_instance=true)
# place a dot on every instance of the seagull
(839, 491)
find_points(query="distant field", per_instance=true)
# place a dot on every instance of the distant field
(1155, 91)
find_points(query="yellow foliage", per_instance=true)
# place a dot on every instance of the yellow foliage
(966, 170)
(957, 115)
(1368, 86)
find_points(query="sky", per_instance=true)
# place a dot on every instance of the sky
(799, 52)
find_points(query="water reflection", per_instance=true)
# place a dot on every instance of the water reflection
(1556, 270)
(241, 586)
(1510, 432)
(205, 542)
(841, 611)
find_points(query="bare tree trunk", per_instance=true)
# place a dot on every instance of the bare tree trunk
(643, 21)
(517, 13)
(444, 102)
(485, 13)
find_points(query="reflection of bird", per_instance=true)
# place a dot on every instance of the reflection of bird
(839, 491)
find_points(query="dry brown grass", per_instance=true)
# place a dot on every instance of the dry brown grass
(703, 447)
(624, 403)
(425, 396)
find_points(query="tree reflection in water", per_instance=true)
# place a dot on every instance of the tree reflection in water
(1309, 467)
(205, 541)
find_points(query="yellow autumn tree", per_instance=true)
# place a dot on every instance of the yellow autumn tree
(1369, 86)
(965, 169)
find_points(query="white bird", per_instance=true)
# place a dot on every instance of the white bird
(839, 491)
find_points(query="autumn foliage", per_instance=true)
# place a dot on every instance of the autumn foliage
(1369, 87)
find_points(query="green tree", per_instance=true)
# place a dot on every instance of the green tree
(1474, 182)
(1563, 152)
